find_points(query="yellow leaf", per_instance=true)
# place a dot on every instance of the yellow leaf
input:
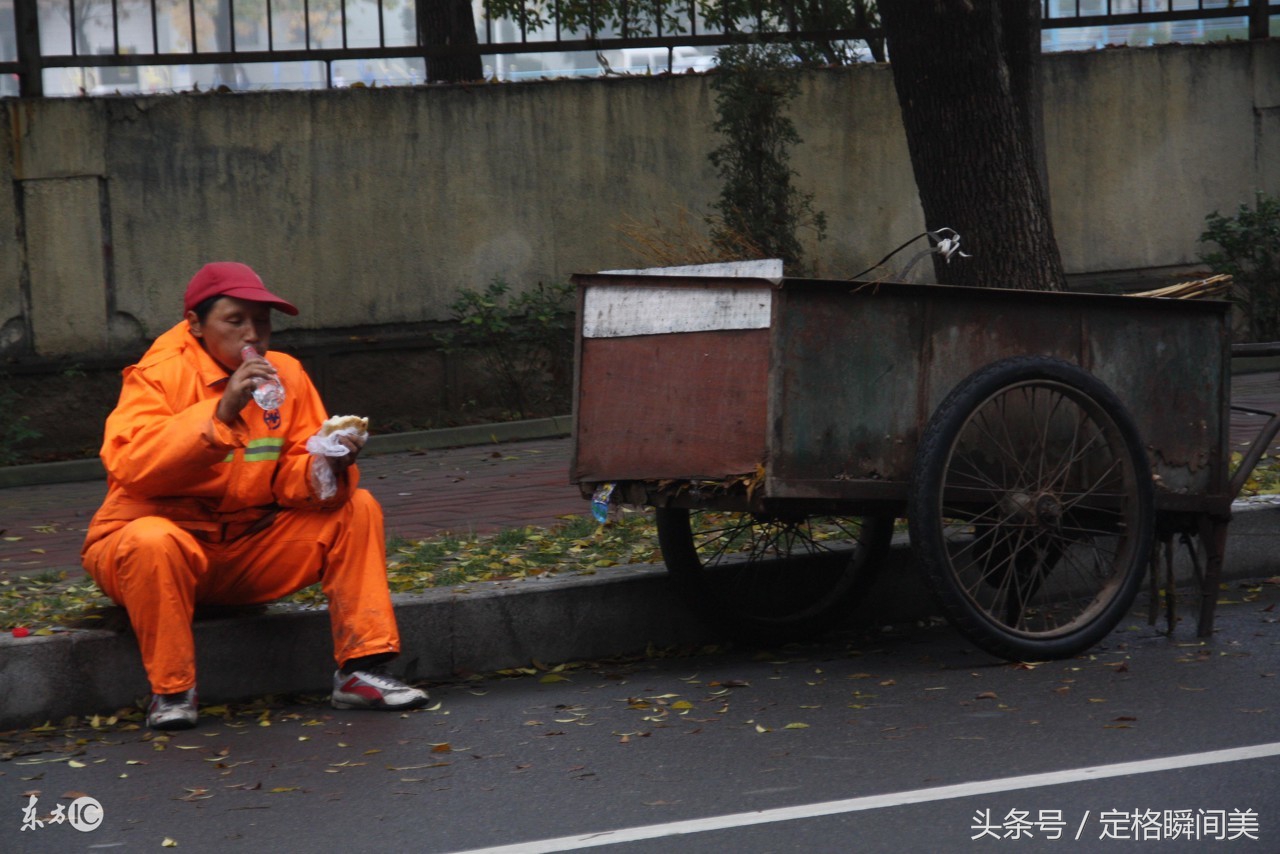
(554, 677)
(682, 704)
(796, 726)
(169, 843)
(74, 764)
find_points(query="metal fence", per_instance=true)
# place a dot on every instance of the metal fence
(85, 47)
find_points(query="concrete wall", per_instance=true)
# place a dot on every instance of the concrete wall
(372, 207)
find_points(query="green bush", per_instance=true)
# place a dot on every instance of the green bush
(760, 209)
(15, 427)
(525, 342)
(1248, 248)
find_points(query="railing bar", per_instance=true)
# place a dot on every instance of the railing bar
(231, 24)
(78, 57)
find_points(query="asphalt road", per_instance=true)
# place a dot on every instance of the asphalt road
(903, 741)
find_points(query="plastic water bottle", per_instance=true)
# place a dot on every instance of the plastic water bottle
(600, 502)
(268, 394)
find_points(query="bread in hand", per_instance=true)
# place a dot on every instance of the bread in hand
(344, 422)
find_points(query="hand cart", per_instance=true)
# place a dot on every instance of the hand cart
(1037, 444)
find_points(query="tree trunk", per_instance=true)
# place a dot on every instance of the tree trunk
(448, 23)
(966, 75)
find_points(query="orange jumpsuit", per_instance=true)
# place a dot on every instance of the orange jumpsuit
(199, 512)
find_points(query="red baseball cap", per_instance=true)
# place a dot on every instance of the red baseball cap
(231, 279)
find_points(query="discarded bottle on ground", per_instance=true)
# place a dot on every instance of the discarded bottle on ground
(600, 502)
(268, 394)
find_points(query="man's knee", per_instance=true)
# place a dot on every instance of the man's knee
(364, 505)
(150, 533)
(152, 542)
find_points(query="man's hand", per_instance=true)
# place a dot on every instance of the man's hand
(240, 386)
(354, 444)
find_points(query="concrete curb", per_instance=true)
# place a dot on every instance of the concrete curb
(73, 471)
(478, 628)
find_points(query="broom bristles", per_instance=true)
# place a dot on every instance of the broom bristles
(1212, 287)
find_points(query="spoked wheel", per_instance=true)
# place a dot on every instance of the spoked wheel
(1032, 508)
(768, 579)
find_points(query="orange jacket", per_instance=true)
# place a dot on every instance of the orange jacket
(167, 455)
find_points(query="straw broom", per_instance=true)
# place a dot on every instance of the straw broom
(1213, 287)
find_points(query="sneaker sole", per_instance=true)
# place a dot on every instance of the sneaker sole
(179, 723)
(365, 705)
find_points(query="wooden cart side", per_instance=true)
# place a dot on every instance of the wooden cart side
(670, 378)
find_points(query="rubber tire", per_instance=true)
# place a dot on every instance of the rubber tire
(727, 593)
(926, 513)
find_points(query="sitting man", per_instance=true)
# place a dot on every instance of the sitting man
(213, 500)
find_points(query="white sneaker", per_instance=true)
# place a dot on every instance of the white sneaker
(370, 689)
(173, 711)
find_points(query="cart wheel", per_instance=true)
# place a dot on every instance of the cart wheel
(770, 580)
(1032, 508)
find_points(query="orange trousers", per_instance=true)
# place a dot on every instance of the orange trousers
(159, 572)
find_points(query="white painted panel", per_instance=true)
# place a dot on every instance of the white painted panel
(768, 268)
(619, 310)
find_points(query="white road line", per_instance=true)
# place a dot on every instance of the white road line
(893, 799)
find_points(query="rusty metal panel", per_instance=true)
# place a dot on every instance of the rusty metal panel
(844, 377)
(858, 370)
(1172, 369)
(686, 406)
